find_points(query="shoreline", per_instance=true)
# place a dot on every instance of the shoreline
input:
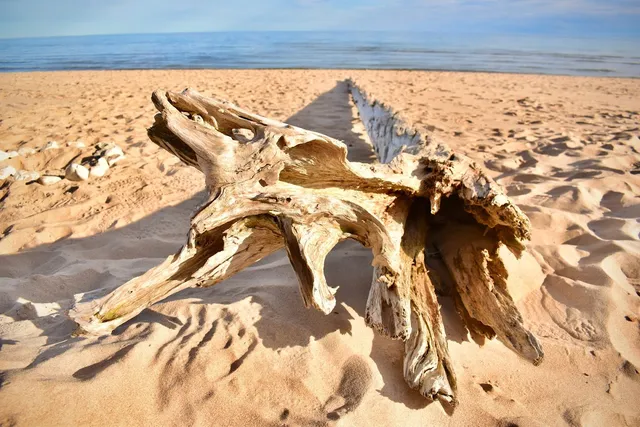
(435, 70)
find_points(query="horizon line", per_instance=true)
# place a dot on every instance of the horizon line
(548, 34)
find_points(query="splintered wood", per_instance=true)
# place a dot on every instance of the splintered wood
(272, 185)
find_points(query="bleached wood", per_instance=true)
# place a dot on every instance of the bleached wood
(272, 185)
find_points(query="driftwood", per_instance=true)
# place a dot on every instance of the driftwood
(272, 185)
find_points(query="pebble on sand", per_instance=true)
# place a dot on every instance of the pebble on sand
(77, 144)
(50, 145)
(76, 172)
(100, 168)
(3, 155)
(7, 171)
(113, 154)
(23, 175)
(49, 180)
(26, 151)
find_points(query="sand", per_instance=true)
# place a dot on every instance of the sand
(246, 352)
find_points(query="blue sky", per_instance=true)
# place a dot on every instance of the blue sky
(34, 18)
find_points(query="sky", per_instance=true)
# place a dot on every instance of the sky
(43, 18)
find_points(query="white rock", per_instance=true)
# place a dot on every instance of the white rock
(26, 151)
(77, 144)
(49, 180)
(50, 145)
(12, 154)
(113, 160)
(7, 171)
(3, 155)
(76, 172)
(23, 175)
(101, 168)
(113, 155)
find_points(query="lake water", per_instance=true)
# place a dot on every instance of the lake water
(375, 50)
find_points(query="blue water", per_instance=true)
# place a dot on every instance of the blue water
(378, 50)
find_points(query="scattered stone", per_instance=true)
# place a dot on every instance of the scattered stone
(49, 180)
(3, 155)
(12, 154)
(113, 155)
(26, 151)
(50, 145)
(76, 172)
(28, 176)
(101, 167)
(77, 144)
(7, 171)
(110, 151)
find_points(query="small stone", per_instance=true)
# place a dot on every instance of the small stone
(49, 180)
(7, 171)
(50, 145)
(76, 172)
(113, 151)
(77, 144)
(113, 155)
(12, 154)
(100, 168)
(3, 155)
(26, 151)
(28, 176)
(113, 160)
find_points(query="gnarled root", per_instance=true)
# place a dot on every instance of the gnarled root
(273, 185)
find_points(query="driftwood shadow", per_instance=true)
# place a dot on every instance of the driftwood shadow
(332, 114)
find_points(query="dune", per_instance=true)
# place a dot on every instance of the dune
(246, 352)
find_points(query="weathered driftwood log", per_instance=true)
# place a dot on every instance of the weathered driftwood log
(272, 185)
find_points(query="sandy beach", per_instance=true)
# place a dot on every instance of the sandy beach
(246, 352)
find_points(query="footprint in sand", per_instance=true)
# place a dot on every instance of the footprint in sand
(630, 371)
(519, 422)
(355, 381)
(495, 393)
(585, 416)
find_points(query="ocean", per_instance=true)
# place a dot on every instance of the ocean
(618, 57)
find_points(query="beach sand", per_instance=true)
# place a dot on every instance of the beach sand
(246, 352)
